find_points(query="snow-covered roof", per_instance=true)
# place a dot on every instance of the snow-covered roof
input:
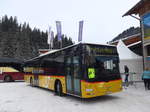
(126, 38)
(10, 60)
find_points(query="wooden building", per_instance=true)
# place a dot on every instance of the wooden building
(142, 10)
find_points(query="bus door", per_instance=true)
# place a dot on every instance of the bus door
(73, 79)
(36, 80)
(68, 74)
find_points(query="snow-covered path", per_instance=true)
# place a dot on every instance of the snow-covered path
(20, 97)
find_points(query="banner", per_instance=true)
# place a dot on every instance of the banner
(146, 26)
(49, 36)
(80, 31)
(58, 26)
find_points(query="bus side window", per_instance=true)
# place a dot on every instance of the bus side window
(68, 66)
(76, 64)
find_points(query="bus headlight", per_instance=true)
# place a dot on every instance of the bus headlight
(88, 90)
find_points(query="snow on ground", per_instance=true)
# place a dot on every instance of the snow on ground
(20, 97)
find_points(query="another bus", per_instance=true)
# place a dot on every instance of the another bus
(84, 70)
(11, 70)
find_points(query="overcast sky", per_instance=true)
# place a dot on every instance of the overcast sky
(102, 18)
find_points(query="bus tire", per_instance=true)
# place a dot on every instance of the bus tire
(7, 78)
(31, 82)
(58, 88)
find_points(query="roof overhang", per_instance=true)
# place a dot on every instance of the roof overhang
(136, 8)
(126, 38)
(136, 43)
(10, 60)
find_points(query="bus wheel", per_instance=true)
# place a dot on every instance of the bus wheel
(31, 82)
(7, 78)
(58, 88)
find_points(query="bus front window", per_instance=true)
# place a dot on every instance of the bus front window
(102, 67)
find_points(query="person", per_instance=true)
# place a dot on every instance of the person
(146, 78)
(126, 71)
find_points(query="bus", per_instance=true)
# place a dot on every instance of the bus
(11, 70)
(84, 70)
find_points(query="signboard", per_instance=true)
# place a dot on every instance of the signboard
(146, 26)
(48, 38)
(102, 50)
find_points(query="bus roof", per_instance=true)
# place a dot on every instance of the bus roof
(53, 51)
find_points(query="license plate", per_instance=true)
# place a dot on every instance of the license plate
(108, 92)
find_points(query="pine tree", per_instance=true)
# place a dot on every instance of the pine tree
(21, 42)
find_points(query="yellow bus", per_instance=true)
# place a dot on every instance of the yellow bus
(84, 70)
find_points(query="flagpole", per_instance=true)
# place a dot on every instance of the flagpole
(61, 43)
(49, 47)
(49, 38)
(52, 39)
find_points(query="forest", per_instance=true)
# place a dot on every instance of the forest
(20, 41)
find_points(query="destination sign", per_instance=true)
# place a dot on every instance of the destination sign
(103, 50)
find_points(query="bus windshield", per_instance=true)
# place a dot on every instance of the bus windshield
(106, 64)
(102, 63)
(103, 68)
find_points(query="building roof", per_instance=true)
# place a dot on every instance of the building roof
(128, 38)
(130, 32)
(10, 60)
(135, 9)
(133, 44)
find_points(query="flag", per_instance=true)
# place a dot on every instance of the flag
(58, 26)
(52, 39)
(49, 36)
(80, 31)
